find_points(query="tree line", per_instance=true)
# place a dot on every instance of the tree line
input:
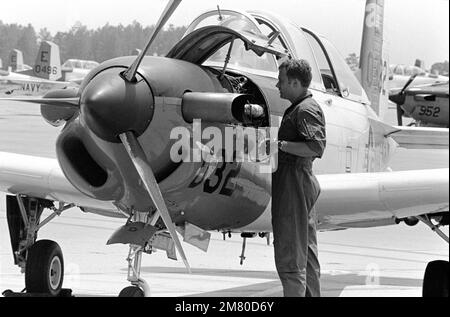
(82, 43)
(107, 42)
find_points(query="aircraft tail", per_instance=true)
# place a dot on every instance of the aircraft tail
(373, 60)
(48, 62)
(16, 61)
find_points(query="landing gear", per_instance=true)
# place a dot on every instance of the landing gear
(140, 287)
(41, 261)
(44, 270)
(436, 279)
(143, 228)
(132, 291)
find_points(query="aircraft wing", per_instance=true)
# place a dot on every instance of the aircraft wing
(35, 80)
(346, 200)
(376, 199)
(43, 178)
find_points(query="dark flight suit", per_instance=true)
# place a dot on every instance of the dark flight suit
(294, 192)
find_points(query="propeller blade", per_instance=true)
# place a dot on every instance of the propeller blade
(144, 170)
(56, 102)
(409, 82)
(400, 97)
(130, 73)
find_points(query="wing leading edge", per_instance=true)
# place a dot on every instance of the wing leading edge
(43, 178)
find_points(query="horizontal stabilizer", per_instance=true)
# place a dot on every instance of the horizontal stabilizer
(413, 137)
(421, 138)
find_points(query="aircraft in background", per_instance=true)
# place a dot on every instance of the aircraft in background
(16, 63)
(400, 75)
(115, 153)
(76, 69)
(428, 105)
(47, 72)
(44, 76)
(426, 102)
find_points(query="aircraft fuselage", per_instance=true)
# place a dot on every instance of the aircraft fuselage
(234, 194)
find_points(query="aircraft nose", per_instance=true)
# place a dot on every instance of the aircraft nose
(111, 105)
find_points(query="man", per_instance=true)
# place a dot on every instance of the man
(302, 139)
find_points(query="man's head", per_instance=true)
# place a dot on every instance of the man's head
(294, 79)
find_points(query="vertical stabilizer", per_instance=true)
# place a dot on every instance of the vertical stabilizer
(48, 62)
(16, 61)
(373, 63)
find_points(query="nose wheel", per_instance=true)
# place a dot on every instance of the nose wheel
(139, 287)
(132, 291)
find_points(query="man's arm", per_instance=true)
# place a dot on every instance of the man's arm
(310, 124)
(298, 149)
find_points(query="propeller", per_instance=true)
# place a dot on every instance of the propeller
(130, 141)
(130, 73)
(399, 99)
(137, 156)
(118, 107)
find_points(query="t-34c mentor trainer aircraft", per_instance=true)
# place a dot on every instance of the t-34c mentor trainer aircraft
(115, 152)
(45, 75)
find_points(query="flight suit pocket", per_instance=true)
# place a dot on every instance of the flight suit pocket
(311, 188)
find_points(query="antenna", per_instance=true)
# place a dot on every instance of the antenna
(220, 14)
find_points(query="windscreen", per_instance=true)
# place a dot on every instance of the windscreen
(240, 58)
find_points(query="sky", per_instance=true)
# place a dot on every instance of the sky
(413, 28)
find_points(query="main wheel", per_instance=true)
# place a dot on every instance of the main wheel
(132, 291)
(435, 281)
(44, 270)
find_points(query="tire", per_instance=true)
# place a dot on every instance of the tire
(132, 291)
(44, 270)
(436, 279)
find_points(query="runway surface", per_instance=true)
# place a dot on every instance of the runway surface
(388, 261)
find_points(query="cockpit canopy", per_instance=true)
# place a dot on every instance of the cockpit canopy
(259, 38)
(249, 45)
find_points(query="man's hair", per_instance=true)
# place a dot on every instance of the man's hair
(298, 69)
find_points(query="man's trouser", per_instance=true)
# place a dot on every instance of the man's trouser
(294, 192)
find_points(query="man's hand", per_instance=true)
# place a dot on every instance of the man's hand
(268, 147)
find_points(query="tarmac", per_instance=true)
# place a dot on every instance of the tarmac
(375, 262)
